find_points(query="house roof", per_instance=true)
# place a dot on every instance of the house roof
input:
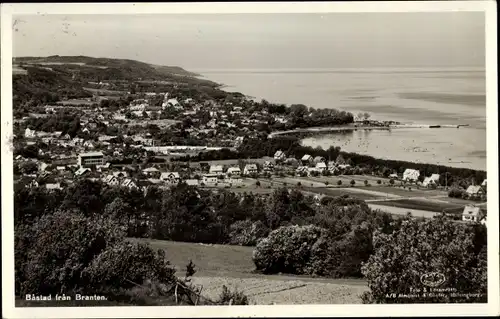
(251, 166)
(471, 210)
(92, 154)
(435, 177)
(321, 165)
(233, 169)
(216, 168)
(192, 182)
(306, 157)
(473, 189)
(483, 183)
(81, 171)
(279, 153)
(166, 175)
(151, 169)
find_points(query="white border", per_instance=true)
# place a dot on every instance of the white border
(492, 308)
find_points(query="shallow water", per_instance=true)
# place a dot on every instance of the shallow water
(446, 146)
(421, 96)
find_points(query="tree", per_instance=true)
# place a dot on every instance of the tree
(339, 182)
(353, 182)
(391, 181)
(257, 183)
(403, 259)
(379, 181)
(366, 116)
(366, 182)
(52, 254)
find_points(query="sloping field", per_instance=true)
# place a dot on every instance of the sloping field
(232, 266)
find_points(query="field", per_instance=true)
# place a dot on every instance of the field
(232, 266)
(422, 204)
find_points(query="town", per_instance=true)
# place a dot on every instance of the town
(140, 165)
(127, 134)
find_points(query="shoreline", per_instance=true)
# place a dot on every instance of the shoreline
(361, 127)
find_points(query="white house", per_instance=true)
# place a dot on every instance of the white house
(171, 177)
(472, 213)
(431, 180)
(192, 182)
(150, 170)
(88, 144)
(321, 166)
(394, 176)
(82, 171)
(306, 159)
(234, 171)
(483, 183)
(475, 191)
(51, 186)
(111, 180)
(279, 156)
(216, 169)
(29, 133)
(129, 183)
(411, 175)
(250, 169)
(210, 178)
(268, 166)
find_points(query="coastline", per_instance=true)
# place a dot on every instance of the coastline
(360, 127)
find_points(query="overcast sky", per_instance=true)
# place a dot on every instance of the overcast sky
(244, 41)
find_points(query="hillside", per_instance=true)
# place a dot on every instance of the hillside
(42, 80)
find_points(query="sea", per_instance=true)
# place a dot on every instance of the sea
(430, 96)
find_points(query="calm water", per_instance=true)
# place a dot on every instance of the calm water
(423, 96)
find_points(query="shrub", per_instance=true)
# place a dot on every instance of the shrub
(456, 251)
(391, 181)
(366, 182)
(339, 182)
(379, 181)
(353, 182)
(456, 193)
(52, 253)
(127, 264)
(228, 297)
(247, 233)
(286, 249)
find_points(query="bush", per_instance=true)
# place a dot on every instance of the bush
(228, 297)
(366, 182)
(286, 249)
(247, 233)
(339, 182)
(379, 181)
(456, 193)
(127, 264)
(52, 253)
(353, 182)
(436, 246)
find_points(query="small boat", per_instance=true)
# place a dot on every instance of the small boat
(434, 126)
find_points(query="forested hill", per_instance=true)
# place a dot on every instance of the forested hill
(41, 80)
(129, 68)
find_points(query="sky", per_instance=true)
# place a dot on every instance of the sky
(262, 41)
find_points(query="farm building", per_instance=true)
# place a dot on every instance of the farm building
(216, 169)
(171, 177)
(475, 191)
(306, 159)
(279, 156)
(472, 213)
(250, 169)
(234, 170)
(431, 180)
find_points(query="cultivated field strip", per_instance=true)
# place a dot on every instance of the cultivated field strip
(275, 291)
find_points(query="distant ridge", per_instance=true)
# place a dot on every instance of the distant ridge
(108, 62)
